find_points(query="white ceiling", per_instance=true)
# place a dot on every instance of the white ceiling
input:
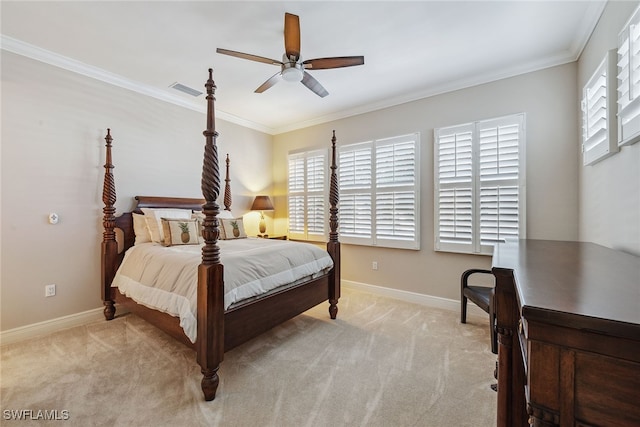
(412, 49)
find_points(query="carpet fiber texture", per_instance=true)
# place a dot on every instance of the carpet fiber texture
(383, 362)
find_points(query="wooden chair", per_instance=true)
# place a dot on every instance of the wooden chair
(482, 296)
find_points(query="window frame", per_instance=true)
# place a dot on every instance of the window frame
(369, 232)
(465, 177)
(628, 91)
(307, 232)
(598, 106)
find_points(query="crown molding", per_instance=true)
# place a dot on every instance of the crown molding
(22, 48)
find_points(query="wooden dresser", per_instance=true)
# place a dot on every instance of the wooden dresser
(568, 323)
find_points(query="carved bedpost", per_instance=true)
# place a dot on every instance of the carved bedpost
(109, 243)
(333, 246)
(227, 189)
(210, 340)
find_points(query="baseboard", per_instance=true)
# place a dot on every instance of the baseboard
(416, 298)
(49, 326)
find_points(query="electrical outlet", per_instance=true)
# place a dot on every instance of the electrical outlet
(50, 290)
(374, 265)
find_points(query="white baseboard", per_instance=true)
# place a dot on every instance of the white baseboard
(49, 326)
(416, 298)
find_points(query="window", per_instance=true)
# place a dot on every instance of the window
(599, 129)
(379, 192)
(629, 81)
(479, 184)
(308, 175)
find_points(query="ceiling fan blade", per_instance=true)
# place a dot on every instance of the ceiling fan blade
(337, 62)
(292, 36)
(314, 85)
(248, 56)
(270, 82)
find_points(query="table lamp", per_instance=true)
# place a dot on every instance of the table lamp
(262, 203)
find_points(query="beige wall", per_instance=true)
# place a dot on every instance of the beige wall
(53, 128)
(610, 189)
(548, 97)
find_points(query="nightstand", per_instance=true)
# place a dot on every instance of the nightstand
(274, 237)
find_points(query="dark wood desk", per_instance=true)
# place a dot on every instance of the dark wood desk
(568, 323)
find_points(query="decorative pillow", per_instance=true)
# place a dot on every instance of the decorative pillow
(233, 228)
(140, 229)
(180, 231)
(154, 220)
(224, 214)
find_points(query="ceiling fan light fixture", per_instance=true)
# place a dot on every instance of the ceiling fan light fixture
(293, 74)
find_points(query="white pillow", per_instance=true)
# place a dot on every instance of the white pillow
(140, 229)
(154, 217)
(180, 231)
(233, 228)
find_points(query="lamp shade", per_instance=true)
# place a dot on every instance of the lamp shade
(262, 203)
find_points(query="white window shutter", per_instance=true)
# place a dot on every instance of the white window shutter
(316, 201)
(454, 188)
(355, 180)
(628, 79)
(599, 129)
(479, 184)
(379, 192)
(307, 198)
(296, 195)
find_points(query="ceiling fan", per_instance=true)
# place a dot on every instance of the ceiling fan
(292, 69)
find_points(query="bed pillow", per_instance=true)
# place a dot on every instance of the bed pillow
(154, 217)
(140, 229)
(233, 228)
(180, 231)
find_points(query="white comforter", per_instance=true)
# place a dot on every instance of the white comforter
(166, 278)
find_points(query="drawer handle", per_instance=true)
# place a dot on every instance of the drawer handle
(520, 327)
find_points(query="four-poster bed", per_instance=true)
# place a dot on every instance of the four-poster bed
(218, 328)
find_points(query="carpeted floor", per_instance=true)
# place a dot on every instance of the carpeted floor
(381, 363)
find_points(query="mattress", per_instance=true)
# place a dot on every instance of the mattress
(166, 278)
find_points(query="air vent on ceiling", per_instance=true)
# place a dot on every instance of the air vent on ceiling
(185, 89)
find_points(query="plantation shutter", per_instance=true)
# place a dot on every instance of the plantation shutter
(307, 199)
(379, 192)
(499, 172)
(628, 75)
(316, 204)
(355, 182)
(599, 130)
(454, 188)
(479, 180)
(296, 194)
(396, 204)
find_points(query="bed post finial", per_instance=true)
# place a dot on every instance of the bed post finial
(227, 188)
(109, 244)
(210, 312)
(333, 246)
(210, 181)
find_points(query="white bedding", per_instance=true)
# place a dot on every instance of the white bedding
(166, 278)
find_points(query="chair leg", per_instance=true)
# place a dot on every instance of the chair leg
(492, 323)
(463, 309)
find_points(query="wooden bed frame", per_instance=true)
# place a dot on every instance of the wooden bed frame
(218, 330)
